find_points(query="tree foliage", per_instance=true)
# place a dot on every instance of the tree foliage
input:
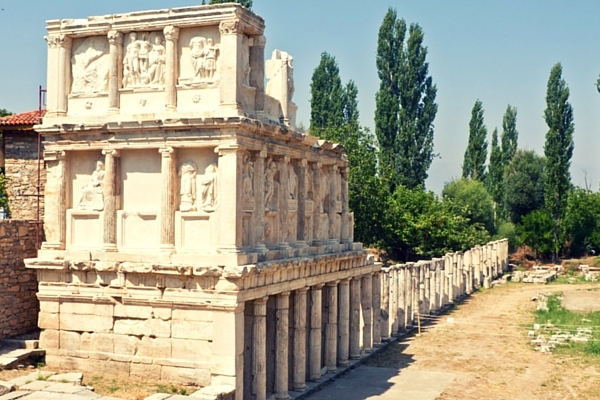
(510, 135)
(245, 3)
(582, 221)
(535, 230)
(495, 176)
(470, 199)
(476, 152)
(524, 184)
(558, 150)
(4, 112)
(405, 103)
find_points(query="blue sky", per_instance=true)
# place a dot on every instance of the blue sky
(500, 52)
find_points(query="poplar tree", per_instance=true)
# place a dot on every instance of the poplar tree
(510, 135)
(558, 150)
(476, 152)
(326, 94)
(495, 174)
(405, 103)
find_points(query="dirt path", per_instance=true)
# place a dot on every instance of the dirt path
(486, 348)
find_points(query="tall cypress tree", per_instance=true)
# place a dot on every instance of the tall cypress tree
(405, 103)
(326, 95)
(510, 135)
(476, 152)
(558, 150)
(495, 174)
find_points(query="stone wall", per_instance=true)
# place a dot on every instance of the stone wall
(18, 285)
(21, 170)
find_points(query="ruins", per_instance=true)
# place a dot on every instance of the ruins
(192, 233)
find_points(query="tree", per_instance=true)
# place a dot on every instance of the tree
(476, 152)
(510, 135)
(326, 94)
(470, 199)
(535, 230)
(558, 150)
(582, 221)
(495, 176)
(405, 103)
(245, 3)
(524, 184)
(4, 112)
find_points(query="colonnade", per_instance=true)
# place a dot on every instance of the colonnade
(320, 328)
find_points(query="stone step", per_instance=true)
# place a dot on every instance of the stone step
(11, 357)
(19, 344)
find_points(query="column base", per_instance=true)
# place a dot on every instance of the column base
(331, 370)
(171, 108)
(344, 363)
(230, 250)
(109, 248)
(53, 246)
(284, 246)
(113, 110)
(300, 388)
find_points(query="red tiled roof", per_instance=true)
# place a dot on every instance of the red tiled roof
(26, 118)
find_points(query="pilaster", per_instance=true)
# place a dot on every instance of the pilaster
(110, 194)
(230, 67)
(115, 39)
(167, 204)
(230, 199)
(171, 55)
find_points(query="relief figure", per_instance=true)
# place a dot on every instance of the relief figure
(187, 172)
(131, 62)
(247, 176)
(198, 54)
(92, 197)
(292, 183)
(156, 71)
(90, 67)
(270, 172)
(209, 188)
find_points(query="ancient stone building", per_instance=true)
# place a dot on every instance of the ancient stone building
(19, 158)
(192, 233)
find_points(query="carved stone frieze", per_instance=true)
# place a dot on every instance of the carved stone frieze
(144, 61)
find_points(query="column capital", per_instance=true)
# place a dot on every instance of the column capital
(303, 289)
(259, 41)
(261, 300)
(231, 27)
(171, 32)
(262, 153)
(317, 166)
(302, 162)
(333, 283)
(115, 37)
(228, 149)
(60, 40)
(166, 152)
(345, 281)
(112, 152)
(318, 286)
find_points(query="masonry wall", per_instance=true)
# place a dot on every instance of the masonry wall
(21, 170)
(18, 285)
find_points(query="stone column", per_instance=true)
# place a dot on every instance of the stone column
(299, 354)
(301, 200)
(316, 304)
(115, 39)
(317, 237)
(167, 203)
(343, 352)
(332, 212)
(427, 298)
(393, 313)
(345, 207)
(56, 202)
(53, 75)
(385, 303)
(376, 291)
(408, 294)
(229, 198)
(367, 311)
(401, 312)
(230, 69)
(331, 327)
(259, 200)
(171, 55)
(64, 69)
(109, 233)
(259, 349)
(355, 297)
(283, 202)
(281, 346)
(257, 71)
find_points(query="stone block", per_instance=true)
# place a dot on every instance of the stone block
(136, 327)
(91, 323)
(188, 349)
(223, 365)
(48, 321)
(192, 315)
(162, 311)
(192, 330)
(49, 339)
(70, 340)
(104, 310)
(85, 343)
(48, 306)
(228, 333)
(145, 371)
(134, 311)
(78, 308)
(103, 342)
(126, 345)
(200, 377)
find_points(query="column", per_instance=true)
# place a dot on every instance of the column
(401, 298)
(409, 294)
(56, 202)
(171, 55)
(167, 203)
(64, 71)
(283, 203)
(345, 206)
(230, 69)
(259, 200)
(115, 39)
(317, 236)
(281, 346)
(110, 200)
(393, 314)
(259, 349)
(343, 351)
(367, 311)
(229, 168)
(376, 291)
(385, 303)
(257, 71)
(316, 304)
(427, 297)
(355, 297)
(331, 327)
(299, 354)
(332, 212)
(301, 200)
(477, 265)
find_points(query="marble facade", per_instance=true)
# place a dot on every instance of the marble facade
(190, 228)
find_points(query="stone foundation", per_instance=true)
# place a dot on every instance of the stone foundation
(18, 285)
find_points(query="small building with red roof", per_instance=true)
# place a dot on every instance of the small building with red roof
(19, 159)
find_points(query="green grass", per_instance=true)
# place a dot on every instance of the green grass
(569, 321)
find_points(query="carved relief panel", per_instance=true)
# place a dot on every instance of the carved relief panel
(144, 60)
(199, 51)
(198, 186)
(90, 65)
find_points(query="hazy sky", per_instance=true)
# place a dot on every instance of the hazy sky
(500, 52)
